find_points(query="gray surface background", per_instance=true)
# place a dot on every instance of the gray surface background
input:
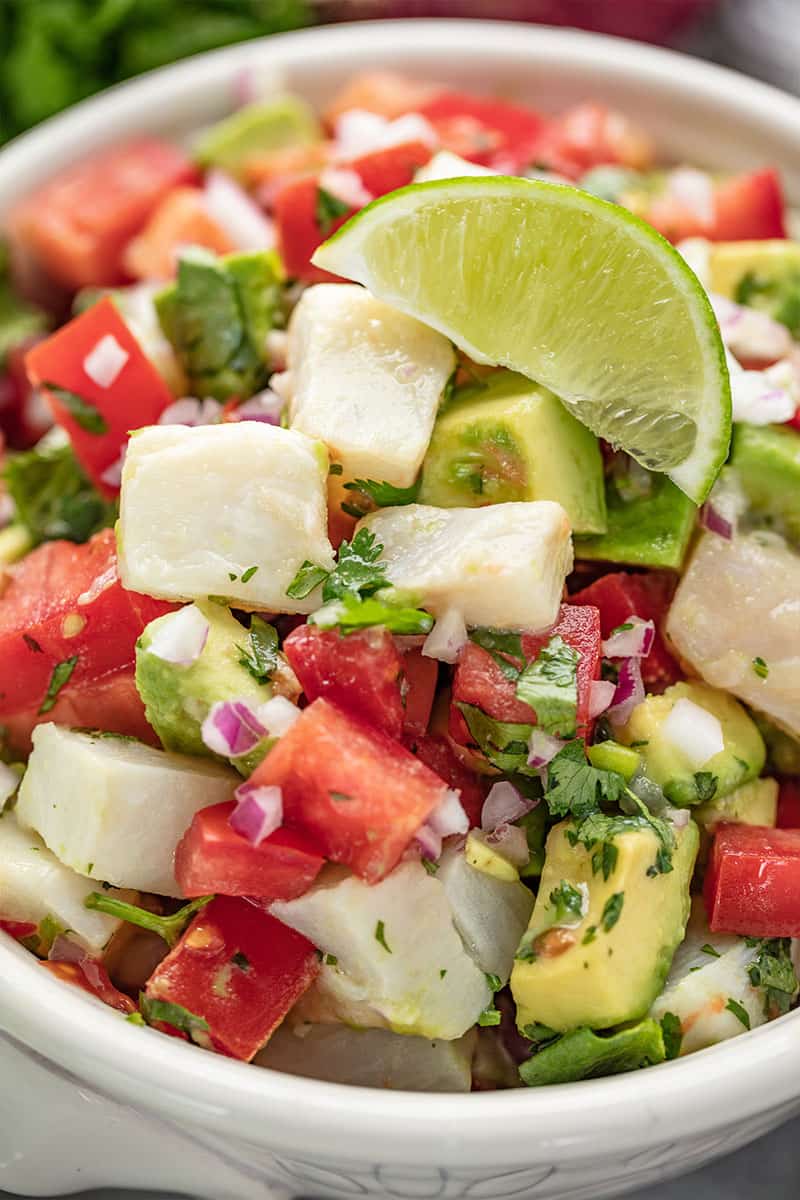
(763, 38)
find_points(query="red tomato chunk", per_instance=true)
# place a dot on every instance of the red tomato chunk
(238, 970)
(753, 882)
(212, 857)
(351, 787)
(136, 397)
(76, 225)
(621, 595)
(62, 602)
(484, 130)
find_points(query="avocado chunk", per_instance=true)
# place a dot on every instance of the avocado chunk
(764, 275)
(754, 803)
(178, 698)
(683, 780)
(650, 522)
(609, 962)
(767, 461)
(217, 316)
(259, 128)
(584, 1054)
(509, 439)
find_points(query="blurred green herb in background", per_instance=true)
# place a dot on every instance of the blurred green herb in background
(56, 52)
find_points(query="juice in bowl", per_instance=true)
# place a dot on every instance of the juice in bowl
(412, 552)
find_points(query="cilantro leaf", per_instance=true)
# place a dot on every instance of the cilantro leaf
(381, 495)
(706, 784)
(550, 686)
(490, 1016)
(738, 1011)
(171, 1014)
(605, 859)
(83, 412)
(169, 928)
(709, 949)
(328, 209)
(760, 667)
(504, 743)
(576, 787)
(567, 903)
(358, 571)
(260, 656)
(612, 910)
(53, 498)
(61, 675)
(307, 578)
(352, 613)
(672, 1032)
(501, 646)
(772, 969)
(380, 936)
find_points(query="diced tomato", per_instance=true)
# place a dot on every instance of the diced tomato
(212, 857)
(745, 207)
(789, 804)
(479, 681)
(386, 93)
(110, 703)
(181, 219)
(485, 130)
(92, 977)
(589, 135)
(24, 415)
(752, 884)
(61, 602)
(418, 689)
(621, 595)
(436, 751)
(19, 930)
(77, 225)
(361, 672)
(295, 205)
(351, 787)
(136, 396)
(240, 971)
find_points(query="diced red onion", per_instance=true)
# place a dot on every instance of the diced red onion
(104, 361)
(64, 949)
(511, 842)
(258, 813)
(181, 638)
(447, 638)
(601, 694)
(428, 842)
(112, 476)
(191, 411)
(752, 335)
(542, 748)
(768, 397)
(636, 642)
(231, 729)
(448, 817)
(345, 185)
(504, 805)
(629, 691)
(266, 406)
(713, 520)
(277, 715)
(693, 190)
(679, 817)
(236, 214)
(694, 731)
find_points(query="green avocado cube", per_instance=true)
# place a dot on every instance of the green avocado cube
(609, 962)
(767, 461)
(217, 316)
(507, 439)
(649, 525)
(258, 128)
(760, 274)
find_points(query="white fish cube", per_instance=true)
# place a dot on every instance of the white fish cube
(35, 885)
(201, 507)
(502, 566)
(366, 380)
(400, 964)
(114, 809)
(740, 600)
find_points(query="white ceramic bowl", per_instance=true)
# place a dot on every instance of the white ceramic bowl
(86, 1100)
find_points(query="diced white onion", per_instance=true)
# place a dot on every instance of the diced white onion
(693, 190)
(359, 132)
(182, 638)
(749, 333)
(449, 817)
(447, 638)
(694, 731)
(104, 362)
(346, 186)
(446, 165)
(769, 397)
(277, 715)
(636, 642)
(191, 411)
(236, 214)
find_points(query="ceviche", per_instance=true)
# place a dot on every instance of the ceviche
(400, 610)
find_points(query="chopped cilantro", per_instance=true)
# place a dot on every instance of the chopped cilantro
(380, 937)
(501, 646)
(340, 797)
(709, 949)
(760, 667)
(576, 787)
(307, 578)
(358, 571)
(772, 969)
(612, 910)
(52, 496)
(241, 961)
(672, 1032)
(706, 784)
(32, 644)
(550, 686)
(442, 972)
(335, 469)
(430, 866)
(260, 655)
(169, 928)
(61, 675)
(494, 982)
(171, 1014)
(247, 575)
(381, 495)
(567, 902)
(330, 960)
(540, 1034)
(490, 1016)
(83, 413)
(135, 1018)
(739, 1011)
(329, 209)
(626, 625)
(605, 859)
(504, 743)
(352, 613)
(589, 936)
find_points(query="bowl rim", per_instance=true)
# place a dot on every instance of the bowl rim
(166, 1076)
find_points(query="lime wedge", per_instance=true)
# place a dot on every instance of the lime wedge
(573, 292)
